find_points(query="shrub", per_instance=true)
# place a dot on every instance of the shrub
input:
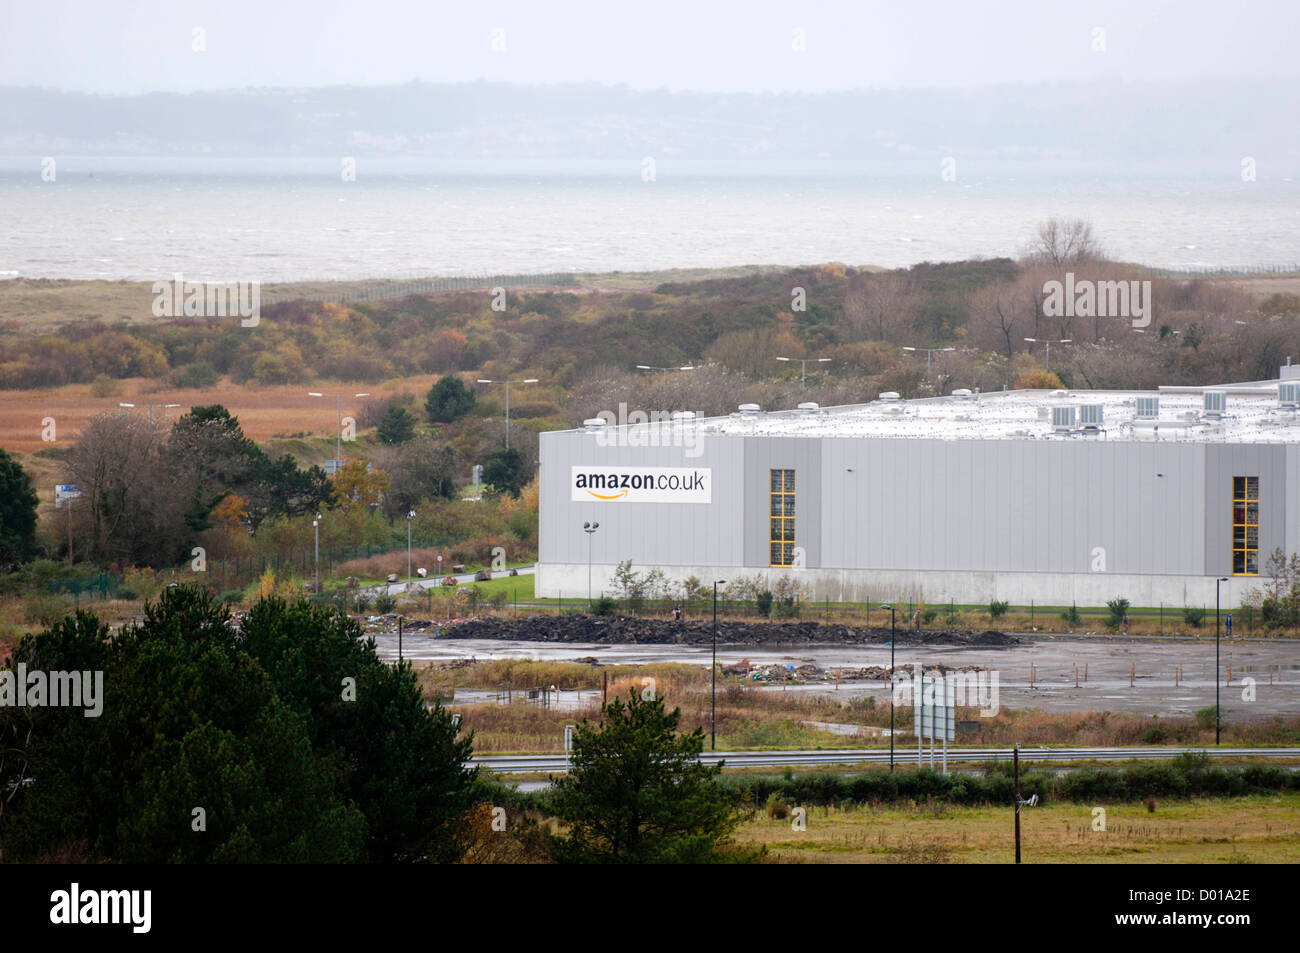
(929, 615)
(361, 603)
(604, 606)
(1155, 736)
(385, 603)
(1194, 617)
(1071, 616)
(1205, 717)
(126, 592)
(764, 602)
(998, 609)
(776, 807)
(1118, 609)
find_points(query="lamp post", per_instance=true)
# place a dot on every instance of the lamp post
(315, 525)
(1218, 582)
(590, 530)
(410, 515)
(528, 380)
(650, 367)
(713, 703)
(890, 683)
(803, 365)
(928, 351)
(1047, 361)
(338, 406)
(151, 407)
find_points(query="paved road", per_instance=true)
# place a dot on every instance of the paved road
(905, 756)
(397, 588)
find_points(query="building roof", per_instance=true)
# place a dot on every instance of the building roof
(1251, 413)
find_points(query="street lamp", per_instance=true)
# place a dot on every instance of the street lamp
(1047, 361)
(529, 380)
(1217, 583)
(890, 683)
(589, 529)
(151, 407)
(650, 367)
(338, 406)
(410, 515)
(315, 524)
(928, 351)
(713, 704)
(803, 365)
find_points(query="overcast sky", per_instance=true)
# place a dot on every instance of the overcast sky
(131, 46)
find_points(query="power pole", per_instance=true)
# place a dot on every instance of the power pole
(1015, 761)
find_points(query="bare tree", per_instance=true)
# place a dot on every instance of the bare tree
(1061, 242)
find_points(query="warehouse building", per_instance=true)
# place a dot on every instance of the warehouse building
(1052, 497)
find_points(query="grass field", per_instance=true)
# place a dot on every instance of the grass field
(1255, 829)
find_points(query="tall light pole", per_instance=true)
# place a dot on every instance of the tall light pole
(928, 351)
(410, 515)
(890, 683)
(151, 407)
(1217, 583)
(650, 367)
(803, 365)
(338, 406)
(713, 703)
(589, 529)
(1047, 361)
(528, 380)
(316, 526)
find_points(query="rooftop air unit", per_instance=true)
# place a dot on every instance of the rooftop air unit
(889, 395)
(749, 408)
(963, 393)
(809, 407)
(1063, 419)
(1148, 408)
(683, 415)
(1216, 403)
(594, 423)
(1091, 416)
(1288, 395)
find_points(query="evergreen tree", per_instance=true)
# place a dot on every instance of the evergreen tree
(449, 400)
(17, 513)
(396, 426)
(637, 792)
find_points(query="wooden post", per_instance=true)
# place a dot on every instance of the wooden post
(1076, 676)
(1132, 673)
(1229, 681)
(1085, 673)
(1016, 770)
(1031, 675)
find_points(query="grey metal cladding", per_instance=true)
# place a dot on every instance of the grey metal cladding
(648, 533)
(1012, 505)
(804, 456)
(1222, 463)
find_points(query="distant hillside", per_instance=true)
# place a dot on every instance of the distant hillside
(1177, 121)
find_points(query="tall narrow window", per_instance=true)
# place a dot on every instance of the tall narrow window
(1245, 526)
(781, 516)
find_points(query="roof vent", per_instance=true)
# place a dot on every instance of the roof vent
(1060, 393)
(1063, 419)
(1148, 408)
(1216, 403)
(809, 407)
(1288, 395)
(962, 392)
(592, 423)
(749, 408)
(1091, 416)
(889, 395)
(683, 415)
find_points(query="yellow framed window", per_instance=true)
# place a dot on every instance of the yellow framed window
(781, 519)
(1245, 526)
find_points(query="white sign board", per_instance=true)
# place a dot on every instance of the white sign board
(934, 712)
(65, 491)
(610, 484)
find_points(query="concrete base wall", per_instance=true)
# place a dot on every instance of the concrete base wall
(569, 580)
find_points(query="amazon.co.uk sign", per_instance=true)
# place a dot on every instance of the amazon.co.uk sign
(606, 484)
